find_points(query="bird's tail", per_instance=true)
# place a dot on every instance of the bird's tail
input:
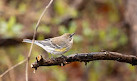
(27, 40)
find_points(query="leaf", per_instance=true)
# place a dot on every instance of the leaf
(123, 39)
(62, 30)
(102, 35)
(17, 28)
(72, 27)
(86, 29)
(22, 7)
(20, 57)
(77, 38)
(60, 7)
(11, 22)
(45, 29)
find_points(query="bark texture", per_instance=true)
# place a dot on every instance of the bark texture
(84, 57)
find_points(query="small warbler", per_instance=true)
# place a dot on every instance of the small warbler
(56, 45)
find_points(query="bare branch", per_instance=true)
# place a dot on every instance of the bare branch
(85, 57)
(34, 35)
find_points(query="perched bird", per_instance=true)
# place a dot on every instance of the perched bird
(56, 45)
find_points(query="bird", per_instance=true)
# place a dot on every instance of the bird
(56, 45)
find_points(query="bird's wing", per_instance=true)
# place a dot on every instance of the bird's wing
(59, 42)
(48, 42)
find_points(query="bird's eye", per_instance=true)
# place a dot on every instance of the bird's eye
(71, 35)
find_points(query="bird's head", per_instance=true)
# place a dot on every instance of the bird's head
(68, 36)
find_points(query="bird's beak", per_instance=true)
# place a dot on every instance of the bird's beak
(72, 34)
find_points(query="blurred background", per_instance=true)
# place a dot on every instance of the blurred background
(98, 24)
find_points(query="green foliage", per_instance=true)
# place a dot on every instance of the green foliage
(123, 39)
(63, 9)
(56, 72)
(20, 57)
(10, 28)
(78, 38)
(110, 38)
(4, 58)
(113, 17)
(60, 7)
(72, 28)
(94, 72)
(131, 68)
(86, 29)
(61, 75)
(115, 37)
(94, 48)
(62, 29)
(22, 7)
(44, 28)
(40, 37)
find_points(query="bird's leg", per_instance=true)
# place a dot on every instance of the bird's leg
(63, 55)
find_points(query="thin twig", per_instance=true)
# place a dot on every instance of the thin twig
(34, 35)
(12, 68)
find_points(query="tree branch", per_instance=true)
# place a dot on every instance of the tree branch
(84, 57)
